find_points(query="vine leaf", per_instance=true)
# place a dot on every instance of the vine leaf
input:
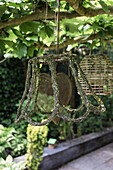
(30, 51)
(49, 31)
(30, 27)
(18, 34)
(104, 6)
(21, 50)
(110, 30)
(2, 10)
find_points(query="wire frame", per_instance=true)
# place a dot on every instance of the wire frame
(98, 70)
(32, 88)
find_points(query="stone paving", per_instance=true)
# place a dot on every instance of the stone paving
(100, 159)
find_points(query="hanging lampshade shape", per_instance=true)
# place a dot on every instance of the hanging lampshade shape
(99, 72)
(58, 85)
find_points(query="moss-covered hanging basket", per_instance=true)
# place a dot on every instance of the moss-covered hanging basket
(32, 89)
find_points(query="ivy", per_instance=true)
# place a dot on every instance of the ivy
(104, 6)
(30, 27)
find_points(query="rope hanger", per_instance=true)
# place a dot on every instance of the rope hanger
(58, 27)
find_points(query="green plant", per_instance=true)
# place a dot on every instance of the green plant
(8, 164)
(5, 135)
(11, 74)
(11, 141)
(66, 128)
(95, 123)
(37, 116)
(62, 130)
(37, 138)
(22, 39)
(18, 144)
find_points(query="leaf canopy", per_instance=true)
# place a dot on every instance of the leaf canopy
(27, 27)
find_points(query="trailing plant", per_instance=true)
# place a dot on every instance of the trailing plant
(9, 164)
(11, 142)
(37, 139)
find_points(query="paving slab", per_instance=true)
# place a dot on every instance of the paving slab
(100, 159)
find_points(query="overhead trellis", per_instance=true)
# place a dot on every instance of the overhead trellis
(99, 72)
(32, 90)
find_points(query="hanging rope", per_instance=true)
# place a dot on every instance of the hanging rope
(90, 53)
(58, 27)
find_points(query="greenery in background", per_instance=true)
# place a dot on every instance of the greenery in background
(37, 139)
(45, 102)
(9, 164)
(12, 80)
(94, 122)
(62, 131)
(37, 116)
(11, 142)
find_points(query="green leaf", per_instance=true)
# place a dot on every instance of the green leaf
(1, 127)
(2, 10)
(9, 159)
(71, 27)
(2, 45)
(21, 50)
(109, 2)
(43, 33)
(10, 36)
(30, 27)
(30, 51)
(28, 43)
(104, 6)
(110, 30)
(17, 33)
(2, 161)
(49, 31)
(21, 165)
(33, 37)
(9, 43)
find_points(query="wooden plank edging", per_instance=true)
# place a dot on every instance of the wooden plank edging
(72, 149)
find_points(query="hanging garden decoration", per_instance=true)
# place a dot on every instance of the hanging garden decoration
(99, 72)
(32, 91)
